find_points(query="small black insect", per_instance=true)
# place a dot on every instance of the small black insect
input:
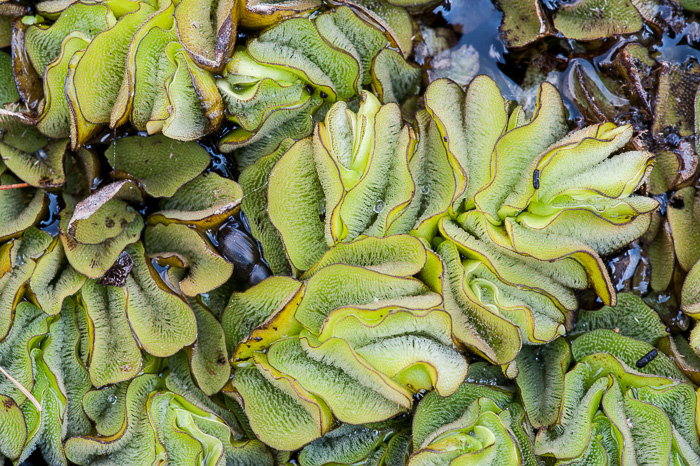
(647, 358)
(236, 245)
(536, 179)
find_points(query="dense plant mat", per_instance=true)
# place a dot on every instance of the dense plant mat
(310, 232)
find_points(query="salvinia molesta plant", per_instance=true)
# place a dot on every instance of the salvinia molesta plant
(352, 340)
(152, 64)
(517, 210)
(478, 425)
(273, 85)
(148, 63)
(623, 402)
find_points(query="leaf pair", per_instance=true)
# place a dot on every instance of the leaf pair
(140, 421)
(352, 342)
(603, 406)
(333, 56)
(104, 67)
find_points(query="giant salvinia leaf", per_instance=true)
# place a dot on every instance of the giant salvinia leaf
(359, 179)
(54, 279)
(631, 317)
(529, 208)
(611, 411)
(357, 331)
(114, 352)
(683, 219)
(268, 100)
(133, 441)
(118, 62)
(18, 258)
(205, 268)
(207, 30)
(160, 165)
(475, 425)
(95, 231)
(19, 208)
(206, 201)
(45, 362)
(371, 445)
(162, 321)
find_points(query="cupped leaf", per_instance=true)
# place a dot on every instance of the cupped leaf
(18, 257)
(282, 414)
(162, 321)
(9, 92)
(160, 165)
(482, 435)
(135, 441)
(610, 410)
(350, 444)
(634, 353)
(205, 269)
(293, 182)
(13, 429)
(114, 353)
(54, 279)
(261, 13)
(43, 42)
(206, 201)
(254, 204)
(523, 22)
(207, 30)
(630, 317)
(209, 357)
(541, 373)
(101, 65)
(96, 231)
(683, 217)
(474, 325)
(601, 19)
(54, 120)
(257, 308)
(20, 207)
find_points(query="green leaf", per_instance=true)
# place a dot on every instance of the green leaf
(18, 257)
(541, 371)
(523, 22)
(205, 269)
(209, 358)
(20, 208)
(114, 353)
(43, 42)
(206, 201)
(54, 279)
(160, 165)
(207, 30)
(162, 321)
(134, 443)
(683, 218)
(13, 430)
(601, 19)
(250, 309)
(9, 92)
(625, 349)
(254, 204)
(54, 120)
(630, 317)
(293, 182)
(393, 78)
(282, 414)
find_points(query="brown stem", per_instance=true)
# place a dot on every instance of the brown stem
(7, 187)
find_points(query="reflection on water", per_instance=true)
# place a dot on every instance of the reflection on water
(478, 21)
